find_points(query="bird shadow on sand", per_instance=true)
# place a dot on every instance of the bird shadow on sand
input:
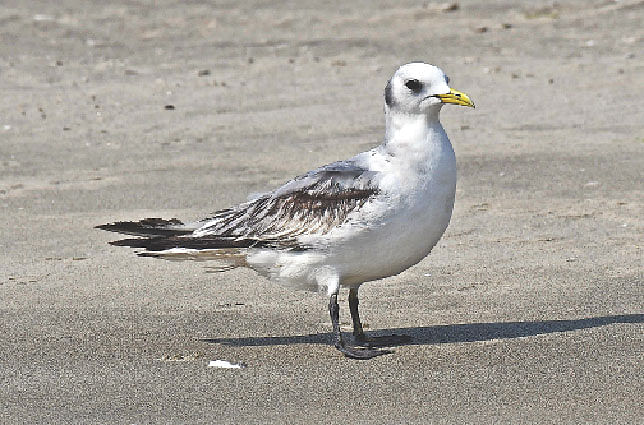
(442, 334)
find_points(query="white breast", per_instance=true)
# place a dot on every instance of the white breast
(417, 200)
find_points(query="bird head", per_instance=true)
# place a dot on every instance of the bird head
(420, 88)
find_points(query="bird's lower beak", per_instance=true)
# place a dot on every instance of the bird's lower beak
(456, 97)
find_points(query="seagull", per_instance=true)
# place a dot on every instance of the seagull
(346, 223)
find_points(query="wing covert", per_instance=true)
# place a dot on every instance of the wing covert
(313, 203)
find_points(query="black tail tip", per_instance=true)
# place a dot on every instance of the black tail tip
(153, 226)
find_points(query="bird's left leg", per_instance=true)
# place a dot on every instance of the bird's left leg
(350, 351)
(358, 333)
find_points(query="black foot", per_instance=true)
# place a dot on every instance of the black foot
(350, 351)
(381, 341)
(358, 353)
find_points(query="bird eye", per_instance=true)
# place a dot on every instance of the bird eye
(447, 79)
(414, 85)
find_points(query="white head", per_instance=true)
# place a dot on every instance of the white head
(418, 88)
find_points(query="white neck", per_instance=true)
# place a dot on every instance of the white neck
(413, 132)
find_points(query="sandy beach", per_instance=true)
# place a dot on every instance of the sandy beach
(529, 310)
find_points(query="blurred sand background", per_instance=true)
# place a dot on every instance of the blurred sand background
(529, 310)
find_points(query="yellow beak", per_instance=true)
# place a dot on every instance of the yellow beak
(456, 97)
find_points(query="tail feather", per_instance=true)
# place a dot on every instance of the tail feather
(174, 240)
(162, 243)
(149, 227)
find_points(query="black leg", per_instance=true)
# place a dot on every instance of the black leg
(358, 333)
(334, 310)
(348, 350)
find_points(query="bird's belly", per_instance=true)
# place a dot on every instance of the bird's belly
(396, 243)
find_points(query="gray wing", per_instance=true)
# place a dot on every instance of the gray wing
(313, 203)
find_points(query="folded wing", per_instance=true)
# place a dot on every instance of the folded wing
(312, 204)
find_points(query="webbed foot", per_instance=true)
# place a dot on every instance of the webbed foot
(360, 353)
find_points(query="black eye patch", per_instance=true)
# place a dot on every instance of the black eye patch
(414, 85)
(388, 98)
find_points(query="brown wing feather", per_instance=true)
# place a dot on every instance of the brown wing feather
(311, 204)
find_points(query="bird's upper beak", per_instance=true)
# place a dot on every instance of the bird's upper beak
(456, 97)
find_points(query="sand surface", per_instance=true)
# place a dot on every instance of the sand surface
(529, 310)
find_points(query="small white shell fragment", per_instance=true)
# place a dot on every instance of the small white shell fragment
(223, 364)
(42, 17)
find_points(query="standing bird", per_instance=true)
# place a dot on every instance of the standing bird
(343, 224)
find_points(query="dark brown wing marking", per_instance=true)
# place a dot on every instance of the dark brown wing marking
(311, 204)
